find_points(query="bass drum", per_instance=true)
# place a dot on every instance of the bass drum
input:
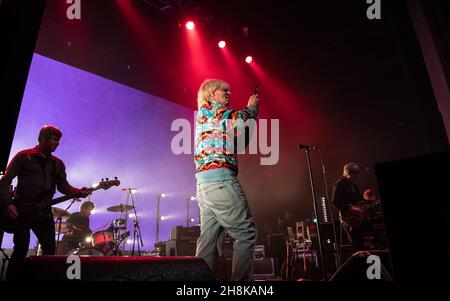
(89, 251)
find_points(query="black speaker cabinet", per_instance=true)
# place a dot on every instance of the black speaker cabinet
(415, 199)
(116, 268)
(181, 248)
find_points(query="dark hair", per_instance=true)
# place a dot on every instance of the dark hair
(369, 192)
(47, 131)
(87, 204)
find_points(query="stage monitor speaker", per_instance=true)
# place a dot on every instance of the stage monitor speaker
(276, 248)
(115, 268)
(414, 196)
(356, 267)
(181, 248)
(264, 267)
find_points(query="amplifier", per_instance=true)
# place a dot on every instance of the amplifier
(181, 248)
(185, 233)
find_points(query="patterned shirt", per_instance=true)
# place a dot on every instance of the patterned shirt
(217, 128)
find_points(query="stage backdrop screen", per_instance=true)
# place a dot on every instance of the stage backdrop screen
(110, 130)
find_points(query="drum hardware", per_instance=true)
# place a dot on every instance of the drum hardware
(120, 224)
(107, 241)
(61, 213)
(136, 228)
(63, 227)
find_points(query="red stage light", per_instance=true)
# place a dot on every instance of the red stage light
(222, 44)
(190, 25)
(248, 59)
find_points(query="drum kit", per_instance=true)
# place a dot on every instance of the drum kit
(104, 242)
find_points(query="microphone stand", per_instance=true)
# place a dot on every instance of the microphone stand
(322, 261)
(187, 211)
(336, 252)
(137, 230)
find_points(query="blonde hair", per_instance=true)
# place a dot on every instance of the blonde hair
(207, 88)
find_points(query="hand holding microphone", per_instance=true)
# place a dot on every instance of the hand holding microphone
(254, 99)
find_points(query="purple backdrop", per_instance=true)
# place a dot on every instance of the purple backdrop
(110, 130)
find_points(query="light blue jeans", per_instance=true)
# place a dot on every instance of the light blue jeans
(223, 206)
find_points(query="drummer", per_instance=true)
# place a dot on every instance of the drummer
(79, 222)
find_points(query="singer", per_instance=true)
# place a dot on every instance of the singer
(222, 201)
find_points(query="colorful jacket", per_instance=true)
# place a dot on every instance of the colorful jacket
(217, 126)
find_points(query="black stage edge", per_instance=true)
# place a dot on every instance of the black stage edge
(116, 268)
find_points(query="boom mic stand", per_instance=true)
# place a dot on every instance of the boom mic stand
(336, 247)
(308, 160)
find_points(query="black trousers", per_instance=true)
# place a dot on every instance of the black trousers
(44, 229)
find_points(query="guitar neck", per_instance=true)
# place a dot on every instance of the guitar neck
(66, 197)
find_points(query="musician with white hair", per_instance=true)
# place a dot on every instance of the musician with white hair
(346, 196)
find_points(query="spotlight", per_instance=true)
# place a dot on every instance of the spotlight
(222, 44)
(129, 241)
(131, 215)
(163, 217)
(248, 59)
(163, 195)
(193, 198)
(192, 220)
(88, 239)
(190, 25)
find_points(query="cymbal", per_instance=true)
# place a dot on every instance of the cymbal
(60, 213)
(65, 227)
(120, 208)
(117, 228)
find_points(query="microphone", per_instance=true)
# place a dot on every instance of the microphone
(307, 147)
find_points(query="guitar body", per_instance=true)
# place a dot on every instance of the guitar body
(28, 213)
(355, 219)
(40, 207)
(351, 219)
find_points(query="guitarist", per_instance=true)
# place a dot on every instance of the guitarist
(39, 174)
(346, 195)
